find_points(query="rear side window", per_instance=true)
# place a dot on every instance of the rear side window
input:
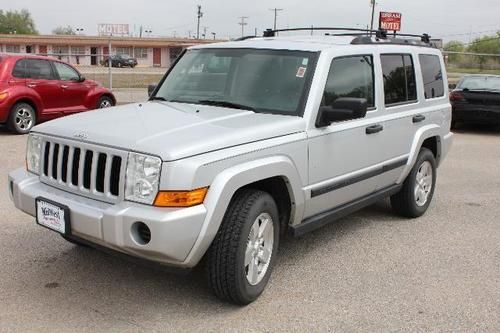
(350, 77)
(432, 75)
(39, 69)
(399, 79)
(19, 70)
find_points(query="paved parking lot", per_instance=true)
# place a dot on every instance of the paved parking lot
(371, 272)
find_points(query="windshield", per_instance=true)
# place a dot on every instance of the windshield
(480, 83)
(125, 56)
(269, 81)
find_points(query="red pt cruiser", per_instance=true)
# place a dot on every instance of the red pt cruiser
(35, 89)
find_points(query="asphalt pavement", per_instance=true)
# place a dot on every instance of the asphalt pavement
(370, 272)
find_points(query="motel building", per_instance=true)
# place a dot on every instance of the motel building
(91, 50)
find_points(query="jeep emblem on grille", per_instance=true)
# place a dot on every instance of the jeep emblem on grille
(82, 136)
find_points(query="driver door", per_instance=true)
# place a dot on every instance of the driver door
(344, 155)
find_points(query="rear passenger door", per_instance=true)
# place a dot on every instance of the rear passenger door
(42, 80)
(74, 91)
(344, 155)
(409, 96)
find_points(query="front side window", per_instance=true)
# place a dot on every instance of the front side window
(399, 78)
(268, 81)
(39, 69)
(66, 73)
(432, 75)
(350, 77)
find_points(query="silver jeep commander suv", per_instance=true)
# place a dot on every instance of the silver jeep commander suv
(240, 142)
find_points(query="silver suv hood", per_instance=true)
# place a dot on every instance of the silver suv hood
(171, 130)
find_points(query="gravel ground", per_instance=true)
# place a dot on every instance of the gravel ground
(371, 272)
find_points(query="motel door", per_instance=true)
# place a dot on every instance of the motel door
(157, 57)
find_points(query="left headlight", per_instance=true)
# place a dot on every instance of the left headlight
(33, 152)
(142, 178)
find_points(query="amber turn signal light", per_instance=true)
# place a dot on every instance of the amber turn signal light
(181, 198)
(3, 96)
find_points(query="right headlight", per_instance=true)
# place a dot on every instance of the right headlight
(142, 178)
(33, 153)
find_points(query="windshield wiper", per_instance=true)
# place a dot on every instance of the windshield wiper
(158, 98)
(226, 104)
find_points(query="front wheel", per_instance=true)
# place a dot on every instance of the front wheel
(242, 255)
(22, 118)
(418, 189)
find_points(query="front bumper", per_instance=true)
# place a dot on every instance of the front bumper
(173, 231)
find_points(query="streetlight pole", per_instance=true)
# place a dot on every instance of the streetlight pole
(373, 14)
(200, 15)
(213, 33)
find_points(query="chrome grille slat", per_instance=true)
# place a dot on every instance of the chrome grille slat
(99, 172)
(93, 172)
(51, 156)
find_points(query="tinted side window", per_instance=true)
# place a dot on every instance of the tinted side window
(432, 75)
(39, 69)
(19, 70)
(350, 77)
(66, 73)
(399, 78)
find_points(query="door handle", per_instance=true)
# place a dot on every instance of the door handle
(374, 129)
(418, 118)
(64, 86)
(31, 85)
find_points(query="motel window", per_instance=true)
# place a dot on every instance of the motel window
(124, 50)
(12, 48)
(64, 50)
(78, 50)
(141, 53)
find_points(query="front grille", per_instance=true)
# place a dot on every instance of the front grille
(91, 170)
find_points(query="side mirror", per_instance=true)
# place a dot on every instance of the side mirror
(151, 89)
(82, 78)
(452, 86)
(344, 108)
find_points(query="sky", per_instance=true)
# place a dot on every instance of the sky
(458, 19)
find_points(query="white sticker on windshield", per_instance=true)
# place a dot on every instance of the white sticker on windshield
(305, 61)
(301, 72)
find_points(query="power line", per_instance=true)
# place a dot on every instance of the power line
(276, 10)
(243, 23)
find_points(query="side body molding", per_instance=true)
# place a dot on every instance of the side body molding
(229, 181)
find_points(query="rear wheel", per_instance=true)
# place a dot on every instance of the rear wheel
(418, 189)
(242, 255)
(105, 102)
(22, 118)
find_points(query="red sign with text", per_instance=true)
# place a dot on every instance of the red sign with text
(390, 21)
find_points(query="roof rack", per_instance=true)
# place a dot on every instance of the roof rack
(364, 36)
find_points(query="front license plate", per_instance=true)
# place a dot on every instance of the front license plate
(52, 215)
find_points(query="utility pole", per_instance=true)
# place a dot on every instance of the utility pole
(276, 10)
(243, 23)
(373, 3)
(200, 15)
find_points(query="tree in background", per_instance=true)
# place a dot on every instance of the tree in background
(485, 45)
(18, 22)
(454, 46)
(67, 30)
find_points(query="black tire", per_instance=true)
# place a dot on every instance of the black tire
(18, 118)
(105, 102)
(225, 264)
(404, 203)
